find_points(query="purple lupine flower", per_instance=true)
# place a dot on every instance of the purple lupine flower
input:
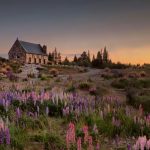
(116, 122)
(1, 136)
(128, 147)
(18, 113)
(30, 114)
(7, 136)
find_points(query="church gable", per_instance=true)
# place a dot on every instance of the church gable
(17, 52)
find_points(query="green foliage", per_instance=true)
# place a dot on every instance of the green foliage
(18, 137)
(120, 84)
(43, 78)
(2, 111)
(84, 60)
(53, 141)
(71, 88)
(50, 140)
(55, 109)
(107, 76)
(136, 97)
(58, 80)
(84, 85)
(5, 147)
(50, 57)
(136, 83)
(79, 133)
(15, 67)
(16, 103)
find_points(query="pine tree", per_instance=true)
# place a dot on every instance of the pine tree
(99, 58)
(89, 56)
(50, 57)
(75, 59)
(95, 62)
(84, 60)
(105, 55)
(66, 61)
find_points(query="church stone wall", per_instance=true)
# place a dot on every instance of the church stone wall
(17, 53)
(36, 59)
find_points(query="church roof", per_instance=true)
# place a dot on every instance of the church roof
(32, 48)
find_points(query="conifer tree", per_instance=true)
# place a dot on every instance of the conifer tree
(89, 57)
(75, 59)
(105, 55)
(99, 58)
(50, 57)
(84, 60)
(66, 61)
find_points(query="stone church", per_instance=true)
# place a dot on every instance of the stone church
(26, 52)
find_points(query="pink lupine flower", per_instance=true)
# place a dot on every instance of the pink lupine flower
(72, 128)
(97, 146)
(90, 141)
(147, 120)
(79, 146)
(1, 125)
(70, 135)
(86, 134)
(142, 141)
(67, 140)
(148, 144)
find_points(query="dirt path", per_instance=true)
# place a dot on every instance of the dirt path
(89, 73)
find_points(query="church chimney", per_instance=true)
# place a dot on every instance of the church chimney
(45, 49)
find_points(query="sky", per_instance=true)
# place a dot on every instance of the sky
(74, 26)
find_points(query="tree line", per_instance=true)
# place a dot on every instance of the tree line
(101, 60)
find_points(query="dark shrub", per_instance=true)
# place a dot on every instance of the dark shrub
(134, 98)
(11, 76)
(84, 85)
(31, 75)
(120, 84)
